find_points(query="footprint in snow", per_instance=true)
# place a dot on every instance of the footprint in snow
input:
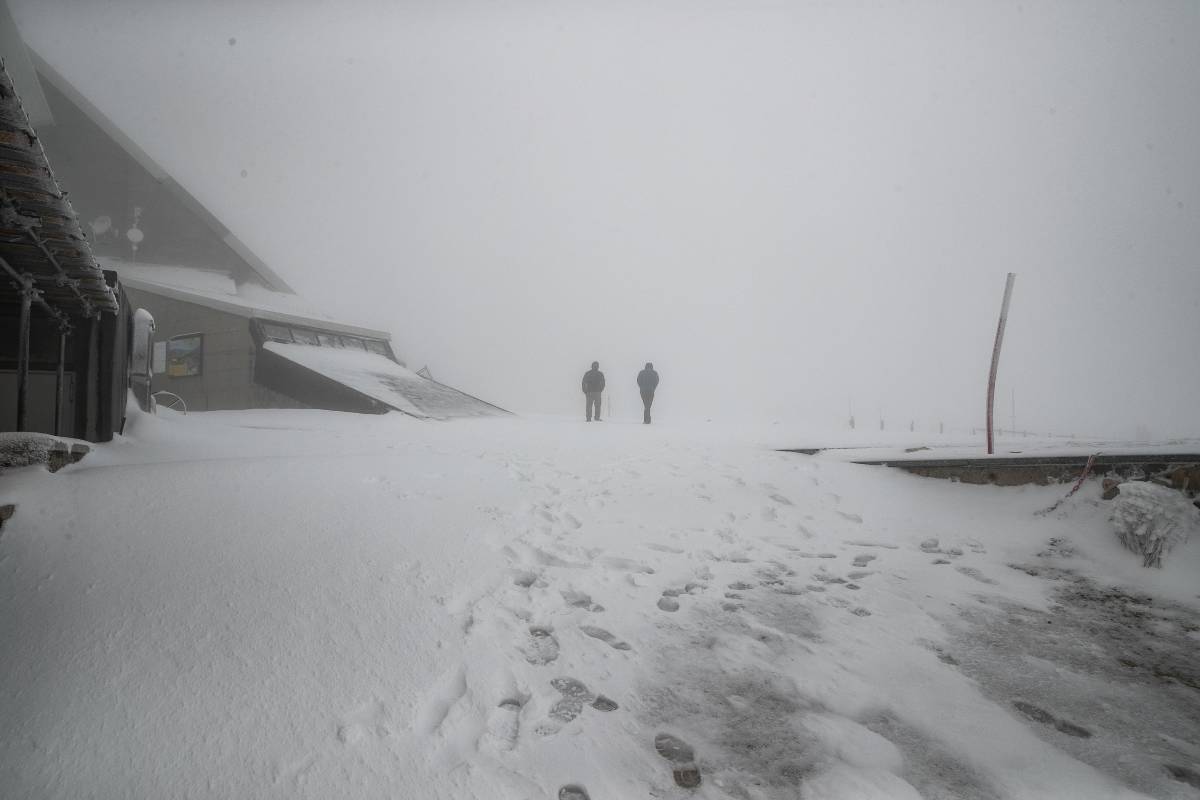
(580, 600)
(937, 650)
(524, 578)
(605, 636)
(575, 695)
(667, 603)
(369, 719)
(778, 498)
(663, 548)
(863, 559)
(613, 562)
(975, 574)
(1046, 718)
(573, 791)
(504, 723)
(606, 704)
(1183, 774)
(858, 575)
(850, 517)
(540, 646)
(682, 758)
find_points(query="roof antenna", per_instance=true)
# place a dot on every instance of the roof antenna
(134, 234)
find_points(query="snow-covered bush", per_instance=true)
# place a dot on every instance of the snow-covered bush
(1151, 520)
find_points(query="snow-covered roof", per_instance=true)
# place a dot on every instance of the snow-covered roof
(217, 290)
(382, 379)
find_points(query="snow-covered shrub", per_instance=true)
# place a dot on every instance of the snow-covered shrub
(1151, 520)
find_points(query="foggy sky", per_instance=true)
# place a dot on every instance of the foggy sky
(787, 207)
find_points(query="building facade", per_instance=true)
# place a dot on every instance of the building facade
(230, 332)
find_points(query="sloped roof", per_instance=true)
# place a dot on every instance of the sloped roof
(218, 291)
(266, 275)
(384, 380)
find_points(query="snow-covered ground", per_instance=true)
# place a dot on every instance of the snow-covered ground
(309, 604)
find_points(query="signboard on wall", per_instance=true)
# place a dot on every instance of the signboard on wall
(185, 355)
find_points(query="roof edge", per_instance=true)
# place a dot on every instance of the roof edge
(250, 312)
(21, 70)
(157, 172)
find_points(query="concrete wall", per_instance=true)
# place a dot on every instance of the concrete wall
(226, 379)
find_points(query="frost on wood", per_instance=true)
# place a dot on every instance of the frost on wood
(1151, 520)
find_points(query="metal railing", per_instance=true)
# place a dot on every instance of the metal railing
(174, 401)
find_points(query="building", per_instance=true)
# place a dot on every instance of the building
(230, 332)
(66, 325)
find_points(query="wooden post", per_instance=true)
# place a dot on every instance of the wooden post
(991, 390)
(27, 294)
(60, 379)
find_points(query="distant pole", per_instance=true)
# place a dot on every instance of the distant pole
(991, 392)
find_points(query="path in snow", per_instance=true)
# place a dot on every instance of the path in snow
(300, 604)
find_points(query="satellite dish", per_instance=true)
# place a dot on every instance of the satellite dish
(101, 225)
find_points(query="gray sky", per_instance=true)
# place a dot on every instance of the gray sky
(783, 205)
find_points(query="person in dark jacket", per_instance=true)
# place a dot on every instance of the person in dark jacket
(593, 386)
(647, 381)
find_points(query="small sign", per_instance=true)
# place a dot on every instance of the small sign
(185, 355)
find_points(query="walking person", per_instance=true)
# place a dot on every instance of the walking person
(593, 386)
(647, 381)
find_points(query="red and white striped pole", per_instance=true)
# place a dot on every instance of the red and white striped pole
(991, 397)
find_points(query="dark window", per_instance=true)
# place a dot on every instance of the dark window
(305, 337)
(376, 346)
(328, 340)
(276, 333)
